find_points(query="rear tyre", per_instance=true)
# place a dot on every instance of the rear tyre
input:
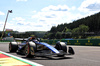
(30, 49)
(13, 46)
(61, 46)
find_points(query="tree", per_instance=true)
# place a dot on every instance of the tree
(66, 33)
(83, 28)
(53, 29)
(58, 35)
(75, 32)
(80, 31)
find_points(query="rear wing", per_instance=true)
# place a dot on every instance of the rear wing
(20, 39)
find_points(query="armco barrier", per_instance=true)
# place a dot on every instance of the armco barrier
(87, 42)
(4, 41)
(7, 39)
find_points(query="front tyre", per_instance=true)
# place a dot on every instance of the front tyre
(61, 46)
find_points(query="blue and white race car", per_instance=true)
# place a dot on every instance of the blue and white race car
(33, 48)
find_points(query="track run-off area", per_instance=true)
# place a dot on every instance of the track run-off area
(84, 56)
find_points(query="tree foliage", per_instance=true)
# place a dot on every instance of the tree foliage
(78, 27)
(27, 34)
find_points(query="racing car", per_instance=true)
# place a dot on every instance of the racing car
(33, 48)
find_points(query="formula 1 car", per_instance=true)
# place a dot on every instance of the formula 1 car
(36, 48)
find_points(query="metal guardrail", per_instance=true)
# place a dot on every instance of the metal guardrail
(5, 41)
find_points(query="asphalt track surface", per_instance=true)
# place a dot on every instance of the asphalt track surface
(84, 56)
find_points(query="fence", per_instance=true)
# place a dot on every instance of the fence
(87, 42)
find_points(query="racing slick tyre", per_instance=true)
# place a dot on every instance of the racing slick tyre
(13, 46)
(30, 49)
(61, 46)
(71, 51)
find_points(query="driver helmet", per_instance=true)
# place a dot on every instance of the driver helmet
(32, 37)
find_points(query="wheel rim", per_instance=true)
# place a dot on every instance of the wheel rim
(27, 50)
(32, 51)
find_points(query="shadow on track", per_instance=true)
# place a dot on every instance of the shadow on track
(48, 58)
(42, 57)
